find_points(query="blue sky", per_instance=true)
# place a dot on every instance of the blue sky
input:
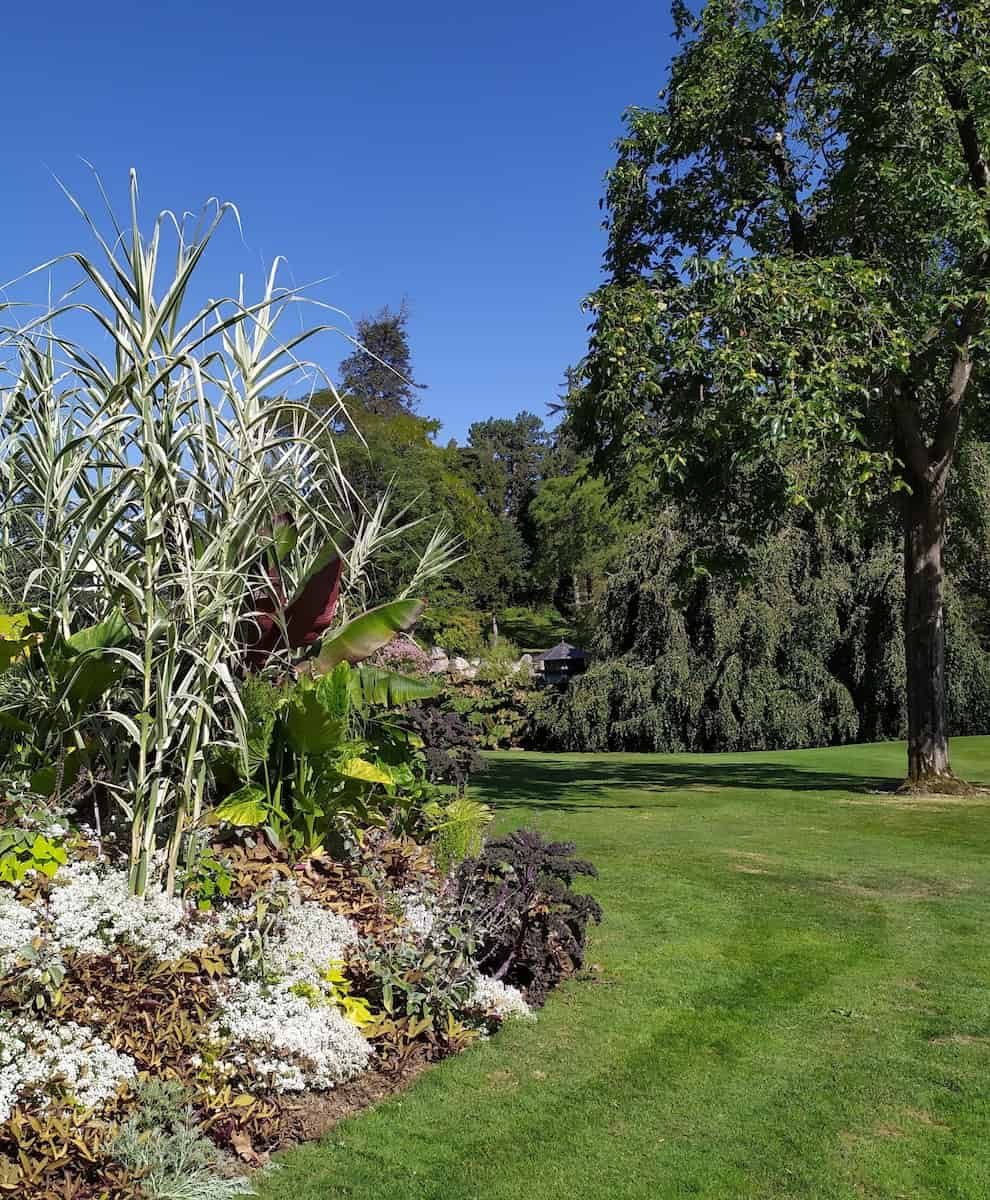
(446, 152)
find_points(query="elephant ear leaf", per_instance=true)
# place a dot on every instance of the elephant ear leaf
(314, 720)
(245, 807)
(112, 631)
(88, 670)
(367, 633)
(366, 772)
(17, 636)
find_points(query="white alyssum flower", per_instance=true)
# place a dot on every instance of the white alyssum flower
(37, 1058)
(418, 912)
(90, 910)
(291, 1044)
(498, 999)
(310, 938)
(18, 927)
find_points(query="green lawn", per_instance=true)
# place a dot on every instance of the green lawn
(793, 999)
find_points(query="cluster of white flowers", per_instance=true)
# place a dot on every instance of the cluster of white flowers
(418, 911)
(18, 927)
(91, 910)
(288, 1041)
(311, 938)
(498, 999)
(34, 1056)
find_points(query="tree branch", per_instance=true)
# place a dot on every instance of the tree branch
(969, 138)
(960, 370)
(775, 150)
(907, 421)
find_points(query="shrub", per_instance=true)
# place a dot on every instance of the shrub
(162, 1144)
(450, 745)
(458, 829)
(528, 924)
(498, 710)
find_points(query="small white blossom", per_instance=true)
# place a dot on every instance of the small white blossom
(18, 927)
(310, 938)
(36, 1056)
(291, 1044)
(418, 912)
(91, 910)
(498, 999)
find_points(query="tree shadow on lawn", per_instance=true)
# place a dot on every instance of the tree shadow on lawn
(539, 782)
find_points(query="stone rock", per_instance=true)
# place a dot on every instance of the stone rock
(439, 666)
(475, 662)
(471, 673)
(437, 652)
(461, 665)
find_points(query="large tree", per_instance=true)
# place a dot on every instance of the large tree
(378, 373)
(795, 308)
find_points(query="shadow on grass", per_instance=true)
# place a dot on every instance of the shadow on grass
(552, 784)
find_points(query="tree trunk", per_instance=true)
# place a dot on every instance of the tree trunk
(924, 637)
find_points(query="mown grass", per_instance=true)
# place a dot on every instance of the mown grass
(790, 997)
(534, 631)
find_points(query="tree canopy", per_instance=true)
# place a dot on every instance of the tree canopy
(795, 308)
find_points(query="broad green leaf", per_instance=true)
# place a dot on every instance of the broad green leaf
(312, 724)
(113, 630)
(246, 806)
(16, 637)
(367, 633)
(389, 688)
(360, 768)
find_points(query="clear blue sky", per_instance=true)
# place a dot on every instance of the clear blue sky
(448, 152)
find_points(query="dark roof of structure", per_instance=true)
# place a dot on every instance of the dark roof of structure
(561, 652)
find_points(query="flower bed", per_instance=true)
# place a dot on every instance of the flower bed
(151, 1042)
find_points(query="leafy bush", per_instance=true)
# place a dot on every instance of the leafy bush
(457, 829)
(499, 711)
(528, 924)
(450, 744)
(457, 630)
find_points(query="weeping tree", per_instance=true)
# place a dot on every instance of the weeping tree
(795, 308)
(165, 521)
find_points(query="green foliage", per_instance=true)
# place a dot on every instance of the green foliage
(378, 374)
(458, 829)
(37, 985)
(162, 1143)
(794, 316)
(457, 630)
(577, 535)
(802, 650)
(322, 752)
(499, 710)
(534, 629)
(206, 878)
(23, 851)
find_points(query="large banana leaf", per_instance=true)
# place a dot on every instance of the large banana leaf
(311, 610)
(388, 688)
(304, 619)
(367, 633)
